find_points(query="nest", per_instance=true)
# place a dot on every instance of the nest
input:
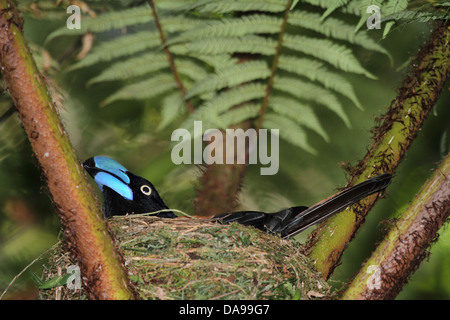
(187, 258)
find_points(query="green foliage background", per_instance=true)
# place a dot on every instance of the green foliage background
(137, 132)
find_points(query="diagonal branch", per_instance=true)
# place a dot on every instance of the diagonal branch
(405, 246)
(399, 126)
(170, 57)
(269, 87)
(88, 236)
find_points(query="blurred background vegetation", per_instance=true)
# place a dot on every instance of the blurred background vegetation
(127, 130)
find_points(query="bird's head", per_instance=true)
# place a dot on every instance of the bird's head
(124, 192)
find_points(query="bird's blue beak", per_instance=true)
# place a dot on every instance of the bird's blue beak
(109, 173)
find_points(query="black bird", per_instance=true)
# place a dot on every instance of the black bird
(123, 192)
(126, 193)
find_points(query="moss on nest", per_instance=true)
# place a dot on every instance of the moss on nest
(188, 258)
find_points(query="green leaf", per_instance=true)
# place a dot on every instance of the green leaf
(237, 115)
(123, 46)
(312, 92)
(315, 70)
(294, 3)
(335, 28)
(145, 89)
(218, 61)
(212, 46)
(230, 77)
(235, 96)
(241, 5)
(335, 4)
(233, 27)
(147, 64)
(337, 55)
(56, 281)
(300, 113)
(408, 16)
(288, 130)
(363, 5)
(172, 107)
(393, 6)
(107, 21)
(134, 67)
(221, 50)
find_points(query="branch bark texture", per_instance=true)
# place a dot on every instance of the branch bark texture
(78, 209)
(405, 246)
(398, 128)
(220, 183)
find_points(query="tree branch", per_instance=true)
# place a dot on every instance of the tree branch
(398, 128)
(170, 57)
(220, 183)
(78, 209)
(405, 246)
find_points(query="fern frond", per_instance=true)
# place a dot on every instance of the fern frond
(133, 67)
(173, 24)
(288, 130)
(119, 47)
(407, 16)
(352, 8)
(363, 5)
(337, 55)
(145, 89)
(214, 112)
(209, 120)
(322, 3)
(220, 105)
(315, 70)
(146, 64)
(244, 112)
(221, 49)
(393, 6)
(336, 29)
(107, 21)
(240, 6)
(442, 4)
(174, 5)
(211, 46)
(172, 107)
(234, 97)
(300, 113)
(191, 69)
(214, 120)
(233, 27)
(312, 92)
(218, 61)
(230, 77)
(335, 5)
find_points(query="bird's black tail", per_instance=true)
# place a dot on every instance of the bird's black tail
(292, 221)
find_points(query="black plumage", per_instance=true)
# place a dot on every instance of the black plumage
(126, 193)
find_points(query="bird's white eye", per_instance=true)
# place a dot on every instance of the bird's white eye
(145, 189)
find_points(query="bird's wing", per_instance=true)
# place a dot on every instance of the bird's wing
(291, 221)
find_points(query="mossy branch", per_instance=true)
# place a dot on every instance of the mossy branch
(398, 128)
(405, 246)
(78, 209)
